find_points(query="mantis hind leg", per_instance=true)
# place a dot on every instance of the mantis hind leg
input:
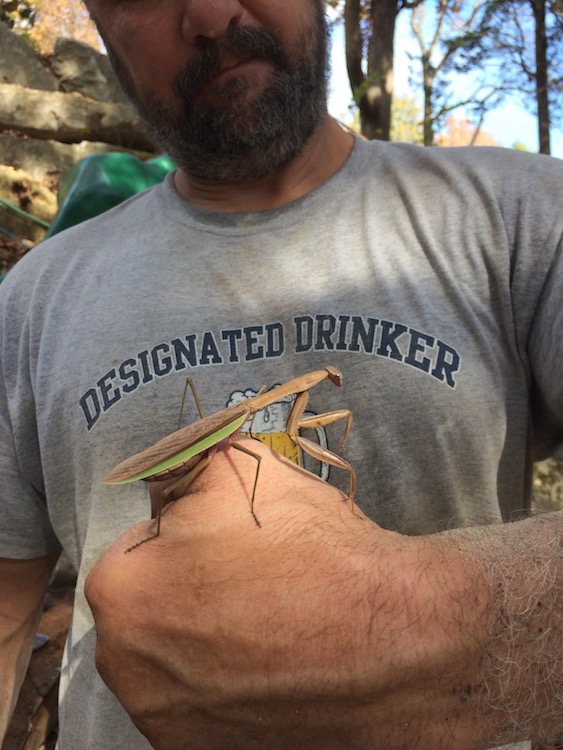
(177, 489)
(159, 500)
(258, 459)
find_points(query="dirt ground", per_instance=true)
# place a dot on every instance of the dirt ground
(10, 253)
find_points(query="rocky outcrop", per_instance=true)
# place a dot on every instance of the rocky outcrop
(53, 113)
(70, 118)
(80, 68)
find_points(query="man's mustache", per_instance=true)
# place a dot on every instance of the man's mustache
(242, 42)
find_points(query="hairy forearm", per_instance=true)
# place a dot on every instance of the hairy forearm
(22, 587)
(522, 666)
(468, 639)
(16, 641)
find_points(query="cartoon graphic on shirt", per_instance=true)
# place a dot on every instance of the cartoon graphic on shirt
(269, 426)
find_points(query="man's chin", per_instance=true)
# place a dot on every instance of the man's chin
(248, 165)
(234, 96)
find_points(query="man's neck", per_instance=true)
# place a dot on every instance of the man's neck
(325, 153)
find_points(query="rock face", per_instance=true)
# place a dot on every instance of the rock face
(20, 65)
(80, 68)
(53, 113)
(70, 118)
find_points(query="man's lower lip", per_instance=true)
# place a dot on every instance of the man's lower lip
(239, 69)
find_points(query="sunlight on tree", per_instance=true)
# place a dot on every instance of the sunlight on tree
(462, 132)
(52, 20)
(17, 15)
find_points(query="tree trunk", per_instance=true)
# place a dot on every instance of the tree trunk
(538, 8)
(354, 44)
(373, 93)
(375, 104)
(428, 125)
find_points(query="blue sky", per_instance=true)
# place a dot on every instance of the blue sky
(509, 124)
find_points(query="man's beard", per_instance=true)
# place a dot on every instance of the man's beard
(245, 137)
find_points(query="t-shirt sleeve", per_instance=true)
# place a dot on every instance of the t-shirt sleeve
(538, 298)
(25, 529)
(546, 354)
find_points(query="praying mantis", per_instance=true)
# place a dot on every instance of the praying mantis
(186, 452)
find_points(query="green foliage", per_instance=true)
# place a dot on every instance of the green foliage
(548, 486)
(360, 91)
(406, 120)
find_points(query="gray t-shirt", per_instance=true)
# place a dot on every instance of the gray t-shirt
(433, 278)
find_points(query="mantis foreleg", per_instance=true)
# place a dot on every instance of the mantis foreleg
(191, 385)
(297, 421)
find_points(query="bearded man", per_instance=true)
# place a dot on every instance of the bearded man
(432, 278)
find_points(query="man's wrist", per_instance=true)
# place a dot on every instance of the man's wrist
(523, 655)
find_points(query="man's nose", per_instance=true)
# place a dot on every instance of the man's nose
(209, 19)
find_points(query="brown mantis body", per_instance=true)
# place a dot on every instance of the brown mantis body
(186, 452)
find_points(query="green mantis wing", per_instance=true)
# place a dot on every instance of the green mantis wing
(181, 457)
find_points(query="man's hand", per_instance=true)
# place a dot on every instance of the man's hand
(318, 630)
